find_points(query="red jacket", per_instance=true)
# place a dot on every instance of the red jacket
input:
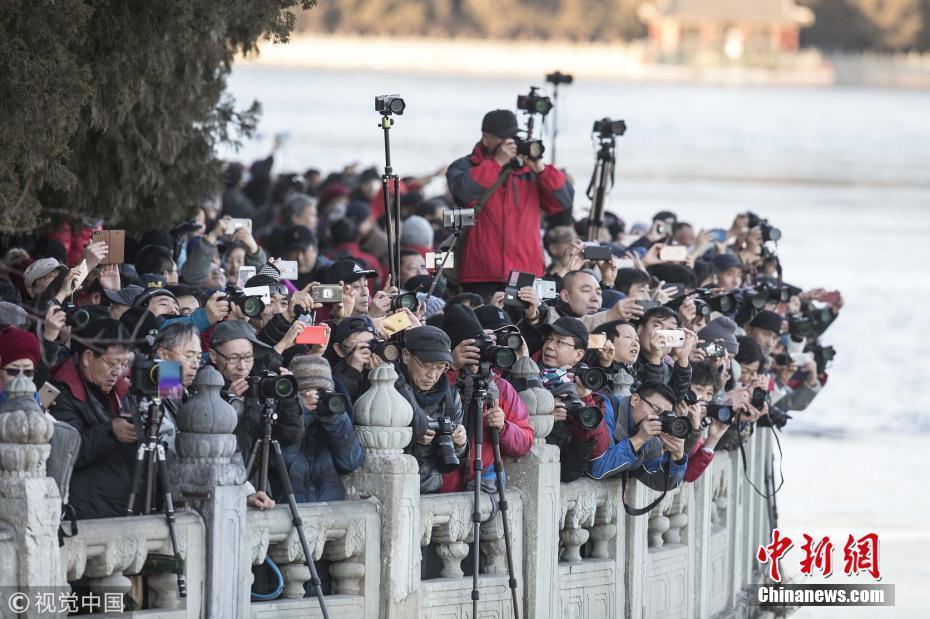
(515, 439)
(506, 236)
(698, 461)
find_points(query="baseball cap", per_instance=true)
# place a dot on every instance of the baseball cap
(229, 330)
(428, 343)
(346, 271)
(502, 123)
(40, 268)
(725, 262)
(568, 326)
(298, 237)
(353, 324)
(125, 296)
(493, 317)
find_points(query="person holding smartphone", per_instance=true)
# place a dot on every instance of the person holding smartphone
(19, 354)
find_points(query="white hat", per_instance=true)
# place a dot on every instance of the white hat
(39, 269)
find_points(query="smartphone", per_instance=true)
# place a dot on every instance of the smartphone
(84, 271)
(802, 358)
(673, 253)
(326, 293)
(596, 252)
(287, 268)
(116, 244)
(545, 289)
(596, 341)
(245, 274)
(515, 282)
(47, 394)
(169, 380)
(676, 290)
(718, 235)
(435, 259)
(674, 338)
(235, 224)
(831, 298)
(759, 396)
(396, 323)
(714, 350)
(313, 335)
(647, 304)
(663, 228)
(625, 263)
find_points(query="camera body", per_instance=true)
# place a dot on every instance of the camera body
(558, 78)
(75, 317)
(721, 412)
(331, 403)
(458, 218)
(144, 378)
(534, 103)
(446, 459)
(268, 385)
(800, 327)
(769, 232)
(593, 379)
(588, 417)
(509, 339)
(386, 349)
(759, 397)
(405, 300)
(251, 306)
(390, 104)
(531, 149)
(501, 357)
(608, 128)
(679, 427)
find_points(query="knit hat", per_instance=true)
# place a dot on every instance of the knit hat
(460, 323)
(12, 315)
(40, 268)
(416, 231)
(312, 372)
(16, 344)
(768, 320)
(721, 328)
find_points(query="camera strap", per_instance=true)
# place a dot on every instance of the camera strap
(742, 453)
(639, 511)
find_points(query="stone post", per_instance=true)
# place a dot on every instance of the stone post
(536, 476)
(382, 421)
(30, 505)
(212, 482)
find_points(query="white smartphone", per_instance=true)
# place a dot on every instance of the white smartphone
(673, 253)
(545, 289)
(245, 274)
(235, 224)
(434, 260)
(287, 268)
(674, 338)
(625, 263)
(802, 358)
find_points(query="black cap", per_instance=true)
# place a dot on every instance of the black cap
(142, 299)
(297, 237)
(229, 330)
(571, 327)
(460, 323)
(419, 283)
(348, 326)
(125, 296)
(502, 123)
(345, 271)
(768, 320)
(428, 343)
(493, 317)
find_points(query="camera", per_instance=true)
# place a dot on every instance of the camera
(759, 396)
(714, 350)
(75, 317)
(144, 378)
(458, 218)
(405, 300)
(531, 149)
(326, 293)
(596, 252)
(251, 306)
(558, 78)
(773, 291)
(267, 384)
(445, 449)
(386, 349)
(722, 303)
(701, 307)
(331, 403)
(721, 412)
(501, 357)
(800, 327)
(588, 417)
(608, 128)
(679, 427)
(534, 103)
(820, 317)
(389, 104)
(769, 232)
(509, 339)
(822, 355)
(593, 379)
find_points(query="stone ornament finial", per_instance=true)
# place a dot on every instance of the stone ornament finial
(539, 401)
(25, 432)
(382, 415)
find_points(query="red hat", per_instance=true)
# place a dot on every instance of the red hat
(16, 344)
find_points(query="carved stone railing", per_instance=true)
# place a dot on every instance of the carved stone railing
(345, 534)
(108, 551)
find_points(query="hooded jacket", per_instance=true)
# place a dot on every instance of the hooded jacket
(505, 237)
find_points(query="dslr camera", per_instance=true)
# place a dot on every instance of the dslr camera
(588, 417)
(331, 403)
(679, 427)
(607, 128)
(75, 317)
(389, 104)
(386, 349)
(144, 378)
(500, 357)
(534, 103)
(268, 385)
(531, 149)
(593, 379)
(558, 78)
(769, 232)
(721, 412)
(446, 459)
(251, 306)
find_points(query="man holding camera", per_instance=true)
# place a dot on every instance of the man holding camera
(509, 195)
(422, 368)
(639, 444)
(652, 365)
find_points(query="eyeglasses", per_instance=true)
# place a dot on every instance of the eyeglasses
(656, 409)
(433, 368)
(118, 365)
(559, 342)
(17, 372)
(236, 359)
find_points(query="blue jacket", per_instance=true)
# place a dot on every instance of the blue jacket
(648, 465)
(327, 448)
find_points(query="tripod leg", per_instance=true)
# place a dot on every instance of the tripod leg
(476, 514)
(263, 480)
(252, 456)
(136, 479)
(298, 524)
(502, 503)
(169, 515)
(150, 458)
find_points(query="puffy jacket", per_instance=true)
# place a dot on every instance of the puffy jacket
(670, 373)
(101, 482)
(505, 237)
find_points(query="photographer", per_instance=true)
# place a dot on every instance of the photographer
(653, 365)
(94, 399)
(765, 328)
(351, 344)
(638, 445)
(422, 381)
(328, 445)
(620, 352)
(505, 237)
(705, 383)
(179, 342)
(507, 413)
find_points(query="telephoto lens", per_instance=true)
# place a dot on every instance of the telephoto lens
(720, 412)
(679, 427)
(331, 403)
(446, 459)
(251, 306)
(723, 303)
(593, 379)
(269, 385)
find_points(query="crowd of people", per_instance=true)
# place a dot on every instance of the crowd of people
(672, 322)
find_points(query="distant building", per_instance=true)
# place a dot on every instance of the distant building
(732, 29)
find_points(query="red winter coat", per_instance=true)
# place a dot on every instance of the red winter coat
(515, 439)
(506, 236)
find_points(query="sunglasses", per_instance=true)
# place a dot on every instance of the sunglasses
(17, 372)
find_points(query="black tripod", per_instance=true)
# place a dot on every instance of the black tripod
(476, 407)
(391, 211)
(598, 187)
(150, 461)
(268, 445)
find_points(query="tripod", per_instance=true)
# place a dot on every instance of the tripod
(150, 461)
(391, 211)
(597, 188)
(267, 446)
(476, 406)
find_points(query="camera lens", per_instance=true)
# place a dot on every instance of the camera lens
(504, 357)
(594, 379)
(79, 319)
(590, 417)
(252, 306)
(407, 300)
(510, 340)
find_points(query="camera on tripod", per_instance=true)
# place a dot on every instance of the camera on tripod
(390, 104)
(607, 128)
(144, 378)
(500, 357)
(534, 103)
(268, 385)
(679, 427)
(446, 459)
(251, 305)
(458, 218)
(558, 78)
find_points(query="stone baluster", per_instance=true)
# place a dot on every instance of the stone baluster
(212, 480)
(347, 568)
(659, 522)
(578, 518)
(382, 422)
(30, 504)
(537, 476)
(677, 532)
